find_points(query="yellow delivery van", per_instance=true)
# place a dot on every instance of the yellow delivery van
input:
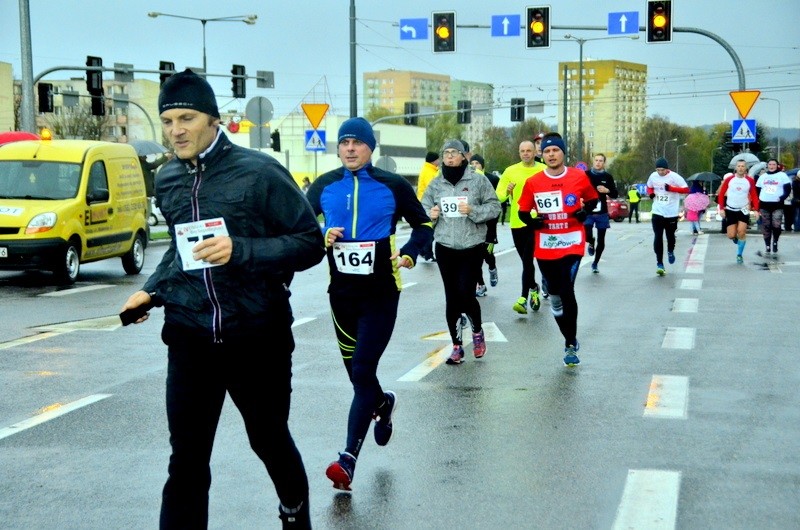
(68, 202)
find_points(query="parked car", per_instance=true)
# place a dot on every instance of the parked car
(617, 209)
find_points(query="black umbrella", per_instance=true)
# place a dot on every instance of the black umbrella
(704, 176)
(148, 147)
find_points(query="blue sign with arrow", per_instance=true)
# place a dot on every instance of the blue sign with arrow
(623, 23)
(413, 29)
(506, 25)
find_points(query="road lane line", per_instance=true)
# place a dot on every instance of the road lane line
(433, 360)
(51, 412)
(668, 397)
(695, 262)
(685, 305)
(691, 285)
(649, 500)
(679, 338)
(77, 290)
(301, 321)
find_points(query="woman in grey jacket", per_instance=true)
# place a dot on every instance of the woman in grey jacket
(459, 201)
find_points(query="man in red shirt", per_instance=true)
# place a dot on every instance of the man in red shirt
(556, 204)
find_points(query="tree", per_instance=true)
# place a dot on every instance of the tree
(440, 128)
(375, 113)
(78, 122)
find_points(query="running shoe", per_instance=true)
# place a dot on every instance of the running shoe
(775, 247)
(383, 418)
(535, 302)
(457, 356)
(493, 277)
(341, 471)
(739, 259)
(478, 344)
(594, 268)
(480, 291)
(543, 290)
(671, 257)
(660, 269)
(571, 355)
(590, 250)
(519, 306)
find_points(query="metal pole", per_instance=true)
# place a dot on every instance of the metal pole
(353, 86)
(580, 99)
(664, 151)
(205, 69)
(26, 111)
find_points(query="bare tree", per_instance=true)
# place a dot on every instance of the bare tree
(78, 122)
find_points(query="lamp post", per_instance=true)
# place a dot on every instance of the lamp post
(664, 151)
(247, 19)
(581, 42)
(678, 157)
(779, 124)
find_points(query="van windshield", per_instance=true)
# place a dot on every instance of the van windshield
(38, 180)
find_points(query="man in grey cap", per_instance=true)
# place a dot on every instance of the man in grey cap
(240, 229)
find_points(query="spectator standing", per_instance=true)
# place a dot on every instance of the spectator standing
(633, 201)
(460, 202)
(361, 205)
(222, 296)
(537, 146)
(737, 197)
(773, 187)
(509, 188)
(555, 203)
(306, 184)
(428, 172)
(603, 182)
(665, 188)
(478, 163)
(796, 200)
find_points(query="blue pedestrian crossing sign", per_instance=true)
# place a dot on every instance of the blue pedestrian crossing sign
(743, 131)
(315, 140)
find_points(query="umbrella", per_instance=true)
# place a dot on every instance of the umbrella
(16, 136)
(756, 168)
(147, 147)
(696, 201)
(704, 176)
(750, 158)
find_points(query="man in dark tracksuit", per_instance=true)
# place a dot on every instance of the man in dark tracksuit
(240, 229)
(362, 205)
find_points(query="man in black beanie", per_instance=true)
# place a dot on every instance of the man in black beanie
(223, 294)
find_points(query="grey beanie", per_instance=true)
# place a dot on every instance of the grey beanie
(454, 144)
(187, 90)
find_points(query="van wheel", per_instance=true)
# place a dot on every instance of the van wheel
(133, 261)
(66, 271)
(152, 220)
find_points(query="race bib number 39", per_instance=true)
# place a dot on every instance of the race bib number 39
(449, 206)
(354, 257)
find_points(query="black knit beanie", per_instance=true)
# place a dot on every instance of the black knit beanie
(187, 90)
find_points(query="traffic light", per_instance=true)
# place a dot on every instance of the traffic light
(94, 78)
(275, 138)
(45, 97)
(517, 109)
(659, 21)
(167, 69)
(411, 107)
(444, 32)
(538, 28)
(237, 81)
(464, 111)
(99, 104)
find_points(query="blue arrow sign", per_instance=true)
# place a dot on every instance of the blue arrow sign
(506, 25)
(623, 23)
(413, 29)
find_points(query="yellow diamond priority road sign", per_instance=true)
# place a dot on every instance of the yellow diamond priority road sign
(315, 112)
(744, 100)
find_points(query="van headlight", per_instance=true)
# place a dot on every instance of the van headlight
(42, 223)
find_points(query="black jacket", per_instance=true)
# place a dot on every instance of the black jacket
(606, 180)
(274, 233)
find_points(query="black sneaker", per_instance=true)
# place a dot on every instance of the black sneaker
(295, 518)
(774, 247)
(383, 419)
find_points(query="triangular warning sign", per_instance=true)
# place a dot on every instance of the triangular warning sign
(744, 100)
(315, 112)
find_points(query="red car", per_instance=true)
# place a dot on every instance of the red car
(617, 209)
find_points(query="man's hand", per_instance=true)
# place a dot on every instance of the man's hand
(667, 187)
(580, 215)
(334, 233)
(216, 250)
(434, 213)
(652, 196)
(536, 222)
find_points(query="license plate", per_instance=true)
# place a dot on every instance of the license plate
(3, 252)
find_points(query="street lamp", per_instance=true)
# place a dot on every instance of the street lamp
(664, 151)
(678, 157)
(581, 42)
(247, 19)
(779, 124)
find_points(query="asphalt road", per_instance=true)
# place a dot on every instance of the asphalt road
(682, 414)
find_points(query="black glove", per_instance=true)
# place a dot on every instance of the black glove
(580, 215)
(652, 196)
(536, 222)
(666, 187)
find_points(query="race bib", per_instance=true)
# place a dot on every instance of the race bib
(449, 206)
(549, 202)
(354, 257)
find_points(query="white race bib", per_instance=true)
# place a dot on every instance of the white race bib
(449, 206)
(354, 257)
(548, 202)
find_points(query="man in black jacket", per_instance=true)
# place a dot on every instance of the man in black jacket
(603, 182)
(240, 229)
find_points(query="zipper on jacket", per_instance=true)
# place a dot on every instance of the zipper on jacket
(208, 279)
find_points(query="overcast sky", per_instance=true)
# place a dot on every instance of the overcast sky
(306, 44)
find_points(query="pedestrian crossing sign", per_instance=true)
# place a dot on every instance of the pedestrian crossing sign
(743, 131)
(315, 140)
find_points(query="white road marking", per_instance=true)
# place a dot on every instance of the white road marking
(695, 263)
(301, 321)
(76, 290)
(685, 305)
(668, 397)
(649, 500)
(51, 412)
(691, 285)
(679, 338)
(490, 332)
(427, 366)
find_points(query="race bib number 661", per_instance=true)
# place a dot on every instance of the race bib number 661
(549, 202)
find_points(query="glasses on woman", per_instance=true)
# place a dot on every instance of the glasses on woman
(450, 153)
